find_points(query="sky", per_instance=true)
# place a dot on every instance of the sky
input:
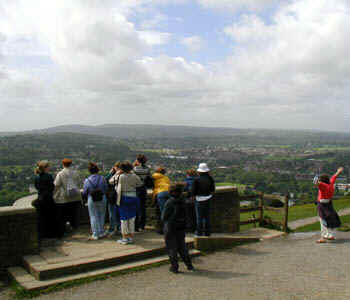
(224, 63)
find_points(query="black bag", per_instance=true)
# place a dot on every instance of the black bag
(149, 182)
(112, 193)
(96, 193)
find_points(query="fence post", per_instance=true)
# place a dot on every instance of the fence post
(236, 196)
(261, 205)
(286, 208)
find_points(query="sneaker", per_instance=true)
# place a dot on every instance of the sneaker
(130, 240)
(110, 233)
(190, 268)
(173, 270)
(93, 238)
(123, 241)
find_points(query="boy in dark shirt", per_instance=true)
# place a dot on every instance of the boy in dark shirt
(174, 218)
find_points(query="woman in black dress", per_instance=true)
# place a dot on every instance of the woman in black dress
(45, 205)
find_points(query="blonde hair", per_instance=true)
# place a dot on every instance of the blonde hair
(41, 166)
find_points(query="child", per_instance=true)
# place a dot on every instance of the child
(174, 218)
(329, 218)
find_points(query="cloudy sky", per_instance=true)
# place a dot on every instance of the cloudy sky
(237, 63)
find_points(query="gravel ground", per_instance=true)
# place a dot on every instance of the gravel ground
(293, 267)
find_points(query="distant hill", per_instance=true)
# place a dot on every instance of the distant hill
(127, 131)
(192, 133)
(28, 148)
(143, 131)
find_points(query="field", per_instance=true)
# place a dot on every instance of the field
(296, 212)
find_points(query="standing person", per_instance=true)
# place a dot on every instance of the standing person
(329, 218)
(127, 200)
(161, 187)
(160, 194)
(191, 175)
(113, 210)
(67, 196)
(202, 189)
(174, 218)
(95, 188)
(144, 172)
(45, 205)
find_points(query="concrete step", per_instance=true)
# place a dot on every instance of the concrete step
(30, 283)
(46, 269)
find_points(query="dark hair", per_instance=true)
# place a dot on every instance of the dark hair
(176, 189)
(142, 159)
(325, 178)
(161, 170)
(191, 172)
(126, 166)
(93, 168)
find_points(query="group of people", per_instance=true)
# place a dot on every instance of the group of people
(123, 192)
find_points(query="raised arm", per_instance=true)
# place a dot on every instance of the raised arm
(334, 178)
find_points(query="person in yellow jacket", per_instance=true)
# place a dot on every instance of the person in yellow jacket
(161, 188)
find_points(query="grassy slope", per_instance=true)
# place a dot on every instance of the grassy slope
(316, 226)
(298, 212)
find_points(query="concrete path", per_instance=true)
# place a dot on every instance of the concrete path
(303, 222)
(292, 267)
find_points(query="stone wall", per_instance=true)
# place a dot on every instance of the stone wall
(18, 235)
(225, 209)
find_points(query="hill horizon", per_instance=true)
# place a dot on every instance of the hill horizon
(185, 130)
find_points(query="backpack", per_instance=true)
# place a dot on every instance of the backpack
(148, 182)
(111, 192)
(96, 193)
(72, 190)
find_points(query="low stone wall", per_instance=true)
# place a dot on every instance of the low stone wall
(18, 235)
(225, 209)
(18, 223)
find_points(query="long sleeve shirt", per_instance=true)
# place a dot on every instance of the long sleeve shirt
(326, 191)
(93, 182)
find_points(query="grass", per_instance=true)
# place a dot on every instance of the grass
(295, 212)
(316, 226)
(240, 187)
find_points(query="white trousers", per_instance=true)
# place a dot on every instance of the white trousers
(127, 226)
(326, 232)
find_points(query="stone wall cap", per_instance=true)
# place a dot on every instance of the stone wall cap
(10, 210)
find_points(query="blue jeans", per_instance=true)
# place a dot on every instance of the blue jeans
(162, 198)
(114, 218)
(97, 213)
(203, 217)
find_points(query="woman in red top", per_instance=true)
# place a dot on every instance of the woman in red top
(329, 218)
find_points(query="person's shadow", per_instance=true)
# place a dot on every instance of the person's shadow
(215, 274)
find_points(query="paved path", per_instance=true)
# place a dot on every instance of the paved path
(292, 267)
(303, 222)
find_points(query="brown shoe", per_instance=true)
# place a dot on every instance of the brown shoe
(321, 241)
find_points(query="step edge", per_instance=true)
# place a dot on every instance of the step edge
(42, 284)
(38, 271)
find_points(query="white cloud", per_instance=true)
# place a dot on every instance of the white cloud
(290, 72)
(193, 43)
(236, 5)
(154, 38)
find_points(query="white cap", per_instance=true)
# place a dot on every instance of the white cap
(203, 168)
